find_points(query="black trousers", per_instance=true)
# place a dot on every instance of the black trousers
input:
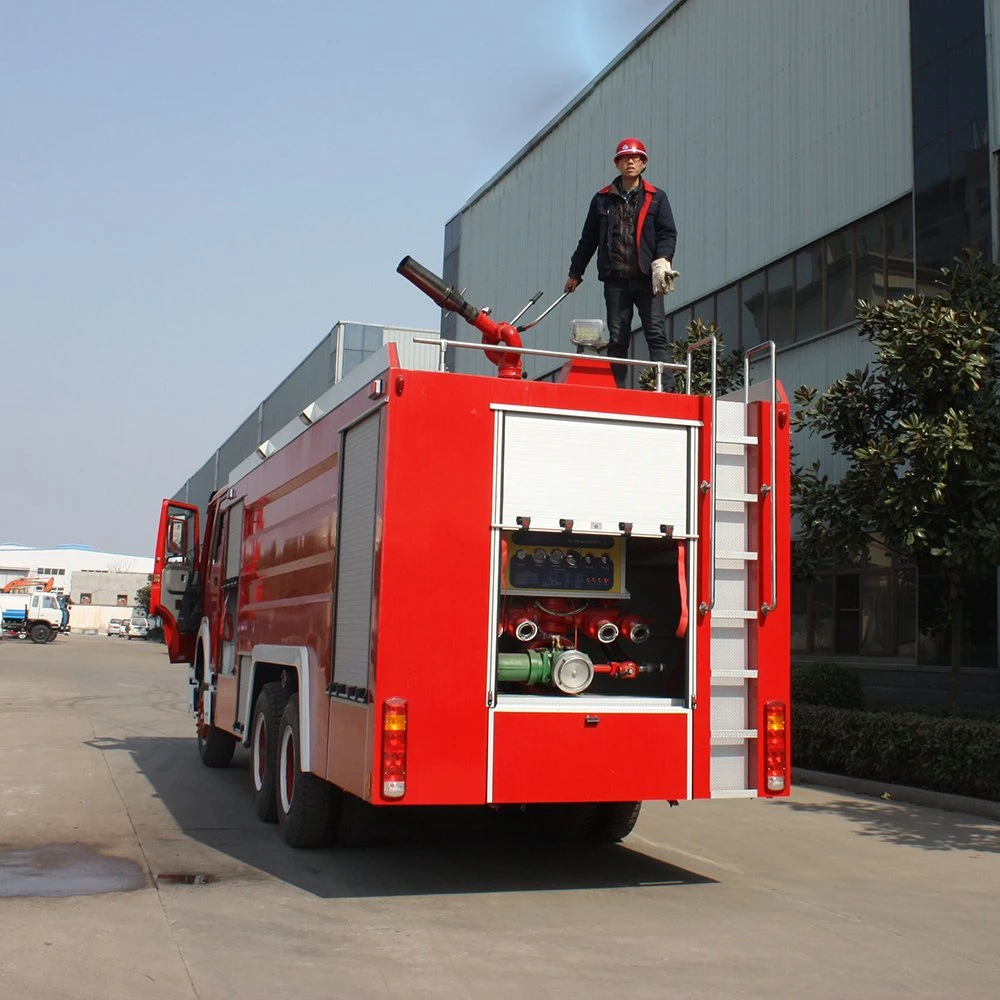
(621, 297)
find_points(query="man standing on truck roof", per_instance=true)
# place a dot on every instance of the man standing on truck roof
(631, 227)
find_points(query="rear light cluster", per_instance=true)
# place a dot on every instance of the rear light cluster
(776, 746)
(393, 748)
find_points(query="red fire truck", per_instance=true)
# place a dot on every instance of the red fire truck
(459, 589)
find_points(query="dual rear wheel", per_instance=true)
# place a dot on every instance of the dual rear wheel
(312, 812)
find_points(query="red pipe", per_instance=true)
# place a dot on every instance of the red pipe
(508, 365)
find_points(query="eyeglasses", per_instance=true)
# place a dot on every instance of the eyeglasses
(630, 156)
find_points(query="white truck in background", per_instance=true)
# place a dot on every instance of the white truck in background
(36, 616)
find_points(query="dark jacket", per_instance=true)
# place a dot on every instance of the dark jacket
(656, 233)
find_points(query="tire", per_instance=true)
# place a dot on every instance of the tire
(571, 822)
(307, 805)
(40, 632)
(359, 823)
(215, 746)
(614, 821)
(266, 726)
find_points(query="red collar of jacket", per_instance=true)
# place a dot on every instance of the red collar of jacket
(647, 188)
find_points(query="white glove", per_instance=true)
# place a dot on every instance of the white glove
(663, 276)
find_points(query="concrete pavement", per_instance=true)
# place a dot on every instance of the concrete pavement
(826, 895)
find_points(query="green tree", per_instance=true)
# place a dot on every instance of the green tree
(729, 367)
(142, 596)
(919, 429)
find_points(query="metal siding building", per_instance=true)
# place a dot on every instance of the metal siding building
(814, 152)
(336, 355)
(767, 123)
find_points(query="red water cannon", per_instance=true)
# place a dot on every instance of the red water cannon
(508, 362)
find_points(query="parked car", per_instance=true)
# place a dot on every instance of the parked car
(138, 627)
(116, 627)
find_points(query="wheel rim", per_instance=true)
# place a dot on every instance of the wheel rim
(259, 752)
(287, 769)
(200, 718)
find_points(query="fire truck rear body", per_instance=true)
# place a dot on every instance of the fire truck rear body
(421, 565)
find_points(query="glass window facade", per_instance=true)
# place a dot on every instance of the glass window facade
(951, 159)
(839, 280)
(753, 317)
(880, 611)
(814, 289)
(781, 301)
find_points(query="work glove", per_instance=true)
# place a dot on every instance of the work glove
(663, 276)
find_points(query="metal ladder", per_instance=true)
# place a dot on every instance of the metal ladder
(736, 602)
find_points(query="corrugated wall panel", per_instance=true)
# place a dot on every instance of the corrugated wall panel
(768, 124)
(238, 445)
(420, 356)
(993, 69)
(309, 379)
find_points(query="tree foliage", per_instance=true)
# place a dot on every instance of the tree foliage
(919, 429)
(729, 367)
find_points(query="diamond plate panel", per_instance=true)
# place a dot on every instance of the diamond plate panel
(730, 767)
(729, 703)
(729, 649)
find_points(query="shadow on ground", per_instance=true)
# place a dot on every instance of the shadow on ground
(909, 825)
(422, 851)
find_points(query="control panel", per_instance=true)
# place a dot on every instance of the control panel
(551, 565)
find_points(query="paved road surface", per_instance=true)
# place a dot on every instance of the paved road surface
(101, 793)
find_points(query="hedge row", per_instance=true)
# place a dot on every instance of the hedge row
(938, 753)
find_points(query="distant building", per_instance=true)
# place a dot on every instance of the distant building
(337, 355)
(103, 574)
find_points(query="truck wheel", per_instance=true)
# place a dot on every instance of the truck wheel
(215, 746)
(359, 822)
(267, 714)
(40, 632)
(614, 821)
(566, 821)
(307, 805)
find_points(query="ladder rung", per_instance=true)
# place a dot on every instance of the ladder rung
(735, 439)
(748, 674)
(734, 734)
(737, 498)
(724, 614)
(735, 556)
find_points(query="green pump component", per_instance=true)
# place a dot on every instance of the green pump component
(567, 669)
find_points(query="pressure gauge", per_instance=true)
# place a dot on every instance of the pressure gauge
(539, 556)
(572, 558)
(556, 557)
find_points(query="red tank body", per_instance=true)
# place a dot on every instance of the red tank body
(369, 577)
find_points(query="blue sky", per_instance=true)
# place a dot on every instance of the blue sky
(195, 191)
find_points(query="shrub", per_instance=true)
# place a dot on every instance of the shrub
(938, 753)
(827, 684)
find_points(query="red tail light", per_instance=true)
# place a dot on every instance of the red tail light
(393, 748)
(776, 746)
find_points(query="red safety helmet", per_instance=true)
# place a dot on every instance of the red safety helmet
(631, 146)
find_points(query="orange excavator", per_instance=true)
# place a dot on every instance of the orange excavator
(28, 585)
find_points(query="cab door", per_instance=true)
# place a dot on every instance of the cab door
(175, 593)
(223, 614)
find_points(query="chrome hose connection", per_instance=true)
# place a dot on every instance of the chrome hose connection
(639, 632)
(572, 671)
(607, 632)
(526, 630)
